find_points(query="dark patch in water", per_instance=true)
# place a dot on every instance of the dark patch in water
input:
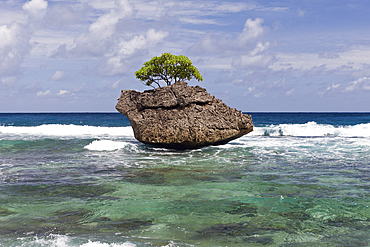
(63, 222)
(82, 191)
(295, 215)
(165, 176)
(264, 240)
(107, 198)
(144, 177)
(311, 244)
(345, 240)
(70, 217)
(235, 177)
(71, 190)
(232, 229)
(240, 229)
(60, 222)
(243, 208)
(196, 204)
(269, 177)
(124, 225)
(349, 222)
(5, 212)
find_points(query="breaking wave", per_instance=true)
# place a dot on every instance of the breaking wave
(312, 129)
(66, 241)
(65, 131)
(108, 145)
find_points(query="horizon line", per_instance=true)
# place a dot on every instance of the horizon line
(91, 112)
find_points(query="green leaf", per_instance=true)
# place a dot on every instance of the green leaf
(167, 68)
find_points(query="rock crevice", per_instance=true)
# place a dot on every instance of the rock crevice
(182, 117)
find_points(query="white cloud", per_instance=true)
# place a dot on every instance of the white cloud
(79, 88)
(153, 36)
(355, 58)
(197, 12)
(301, 12)
(8, 15)
(105, 25)
(364, 82)
(260, 48)
(316, 71)
(198, 21)
(246, 51)
(128, 47)
(115, 44)
(352, 86)
(62, 92)
(36, 8)
(102, 33)
(252, 30)
(13, 47)
(125, 51)
(246, 43)
(273, 9)
(108, 38)
(8, 81)
(226, 7)
(249, 62)
(40, 93)
(15, 37)
(101, 4)
(333, 86)
(119, 46)
(46, 41)
(115, 84)
(290, 92)
(59, 15)
(259, 95)
(259, 57)
(250, 90)
(58, 75)
(220, 63)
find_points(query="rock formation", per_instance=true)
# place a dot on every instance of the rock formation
(182, 117)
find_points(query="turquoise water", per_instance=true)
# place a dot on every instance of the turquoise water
(299, 179)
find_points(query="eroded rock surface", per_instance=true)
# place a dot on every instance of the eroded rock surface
(182, 117)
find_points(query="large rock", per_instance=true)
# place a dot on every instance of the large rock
(182, 117)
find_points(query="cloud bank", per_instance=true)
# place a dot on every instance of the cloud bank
(251, 54)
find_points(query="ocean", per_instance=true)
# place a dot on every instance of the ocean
(82, 179)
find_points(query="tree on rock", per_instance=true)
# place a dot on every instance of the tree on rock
(168, 68)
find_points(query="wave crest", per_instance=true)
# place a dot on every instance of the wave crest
(108, 145)
(78, 131)
(313, 129)
(55, 240)
(65, 131)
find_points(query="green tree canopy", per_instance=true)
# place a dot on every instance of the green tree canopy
(168, 68)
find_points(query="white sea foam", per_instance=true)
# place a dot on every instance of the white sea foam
(312, 129)
(59, 130)
(108, 145)
(99, 244)
(66, 241)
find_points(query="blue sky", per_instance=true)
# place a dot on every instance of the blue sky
(76, 56)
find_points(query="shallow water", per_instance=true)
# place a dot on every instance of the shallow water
(288, 184)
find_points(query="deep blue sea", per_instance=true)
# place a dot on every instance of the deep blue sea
(82, 179)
